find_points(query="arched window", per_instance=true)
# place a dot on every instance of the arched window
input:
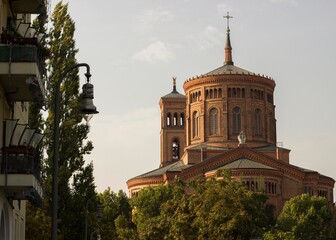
(168, 119)
(195, 124)
(257, 122)
(175, 119)
(181, 119)
(236, 120)
(215, 93)
(175, 150)
(213, 123)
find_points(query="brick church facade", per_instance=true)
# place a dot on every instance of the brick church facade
(226, 120)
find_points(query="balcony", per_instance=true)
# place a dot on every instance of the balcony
(20, 172)
(29, 6)
(22, 69)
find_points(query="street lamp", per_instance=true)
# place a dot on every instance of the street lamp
(86, 107)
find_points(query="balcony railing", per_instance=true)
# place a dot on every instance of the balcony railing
(23, 83)
(13, 161)
(22, 49)
(20, 172)
(30, 6)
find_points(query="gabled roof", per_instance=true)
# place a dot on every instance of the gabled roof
(174, 167)
(243, 163)
(235, 159)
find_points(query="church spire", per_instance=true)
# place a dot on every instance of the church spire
(174, 85)
(228, 48)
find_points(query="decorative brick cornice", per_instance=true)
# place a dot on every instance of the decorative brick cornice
(228, 78)
(145, 181)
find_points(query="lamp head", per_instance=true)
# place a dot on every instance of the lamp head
(86, 105)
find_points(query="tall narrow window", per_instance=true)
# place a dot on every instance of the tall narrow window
(182, 119)
(195, 124)
(168, 119)
(213, 121)
(175, 119)
(257, 122)
(175, 150)
(215, 93)
(236, 120)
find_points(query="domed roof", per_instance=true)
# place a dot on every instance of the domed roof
(228, 69)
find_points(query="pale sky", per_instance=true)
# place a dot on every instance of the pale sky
(135, 47)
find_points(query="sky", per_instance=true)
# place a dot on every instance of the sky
(134, 48)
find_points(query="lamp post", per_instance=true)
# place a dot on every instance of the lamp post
(86, 216)
(86, 107)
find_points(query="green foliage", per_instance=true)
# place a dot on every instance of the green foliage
(304, 217)
(225, 209)
(214, 209)
(116, 216)
(147, 208)
(38, 223)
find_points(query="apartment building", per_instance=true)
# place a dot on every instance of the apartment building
(22, 81)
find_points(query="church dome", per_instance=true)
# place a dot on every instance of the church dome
(228, 69)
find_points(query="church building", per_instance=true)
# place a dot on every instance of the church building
(226, 120)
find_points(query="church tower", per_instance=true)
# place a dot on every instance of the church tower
(227, 101)
(226, 120)
(172, 134)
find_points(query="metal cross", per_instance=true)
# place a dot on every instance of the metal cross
(228, 18)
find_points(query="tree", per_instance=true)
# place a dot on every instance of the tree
(218, 208)
(76, 182)
(147, 209)
(176, 214)
(225, 209)
(116, 219)
(304, 217)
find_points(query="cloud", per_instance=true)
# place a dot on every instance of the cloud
(209, 38)
(151, 18)
(156, 51)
